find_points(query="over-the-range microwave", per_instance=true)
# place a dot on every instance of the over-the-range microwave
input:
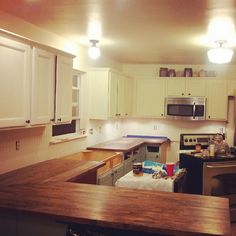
(186, 108)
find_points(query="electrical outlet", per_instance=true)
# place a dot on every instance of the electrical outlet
(17, 145)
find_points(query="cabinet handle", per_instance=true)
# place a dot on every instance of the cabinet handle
(52, 119)
(182, 94)
(27, 121)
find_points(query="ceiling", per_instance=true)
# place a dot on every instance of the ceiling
(133, 31)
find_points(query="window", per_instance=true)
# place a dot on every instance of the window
(73, 127)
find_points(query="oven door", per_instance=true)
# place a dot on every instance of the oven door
(219, 179)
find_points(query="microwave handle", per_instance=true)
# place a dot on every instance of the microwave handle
(194, 110)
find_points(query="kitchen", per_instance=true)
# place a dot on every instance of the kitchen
(35, 144)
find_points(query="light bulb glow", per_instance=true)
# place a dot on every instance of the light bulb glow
(94, 52)
(221, 28)
(220, 55)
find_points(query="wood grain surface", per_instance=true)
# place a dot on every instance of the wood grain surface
(127, 144)
(43, 189)
(60, 169)
(121, 208)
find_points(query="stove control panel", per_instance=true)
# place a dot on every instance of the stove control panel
(188, 141)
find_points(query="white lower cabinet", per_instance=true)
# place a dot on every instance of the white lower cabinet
(128, 165)
(111, 176)
(106, 179)
(118, 172)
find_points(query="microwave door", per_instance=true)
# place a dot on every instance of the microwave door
(179, 110)
(199, 112)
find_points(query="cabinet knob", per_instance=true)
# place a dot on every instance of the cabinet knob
(182, 94)
(162, 114)
(59, 119)
(126, 114)
(189, 94)
(52, 119)
(209, 116)
(27, 121)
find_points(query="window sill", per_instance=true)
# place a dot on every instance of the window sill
(66, 138)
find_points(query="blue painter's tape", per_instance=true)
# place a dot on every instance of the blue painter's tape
(144, 136)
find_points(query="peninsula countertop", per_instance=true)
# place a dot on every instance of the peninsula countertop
(44, 193)
(129, 142)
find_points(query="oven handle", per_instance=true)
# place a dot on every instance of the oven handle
(220, 166)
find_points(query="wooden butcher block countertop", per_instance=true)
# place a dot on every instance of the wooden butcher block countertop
(59, 169)
(45, 189)
(126, 144)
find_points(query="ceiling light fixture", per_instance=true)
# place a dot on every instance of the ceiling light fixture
(94, 51)
(220, 54)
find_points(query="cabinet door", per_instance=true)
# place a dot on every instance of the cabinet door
(128, 165)
(63, 111)
(175, 87)
(98, 94)
(43, 76)
(121, 96)
(15, 70)
(128, 96)
(217, 99)
(118, 172)
(150, 96)
(113, 93)
(195, 87)
(106, 179)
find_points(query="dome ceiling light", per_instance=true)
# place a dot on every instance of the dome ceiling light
(94, 51)
(220, 54)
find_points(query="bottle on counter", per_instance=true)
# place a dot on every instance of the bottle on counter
(212, 150)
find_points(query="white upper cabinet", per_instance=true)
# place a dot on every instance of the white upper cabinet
(63, 111)
(186, 87)
(217, 100)
(150, 97)
(128, 96)
(106, 94)
(120, 93)
(113, 94)
(43, 77)
(15, 70)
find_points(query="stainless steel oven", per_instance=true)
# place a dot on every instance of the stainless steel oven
(186, 108)
(219, 179)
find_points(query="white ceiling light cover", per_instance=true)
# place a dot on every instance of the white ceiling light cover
(220, 55)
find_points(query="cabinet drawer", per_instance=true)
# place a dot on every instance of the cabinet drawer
(109, 164)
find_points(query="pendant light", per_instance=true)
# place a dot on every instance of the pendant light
(220, 54)
(94, 51)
